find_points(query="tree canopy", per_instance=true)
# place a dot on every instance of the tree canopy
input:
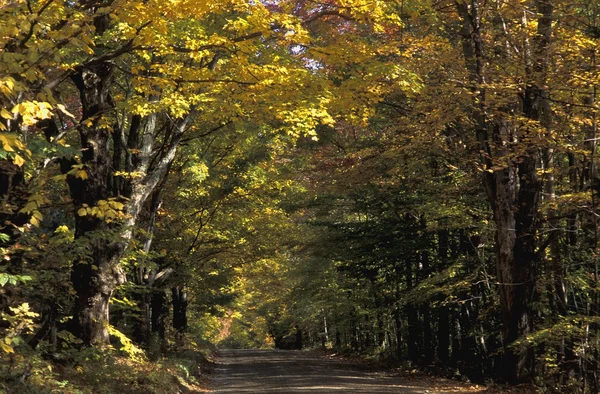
(414, 180)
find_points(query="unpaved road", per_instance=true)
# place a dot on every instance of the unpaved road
(281, 371)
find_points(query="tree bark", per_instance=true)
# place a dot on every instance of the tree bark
(180, 304)
(160, 310)
(512, 187)
(443, 333)
(428, 343)
(412, 318)
(96, 276)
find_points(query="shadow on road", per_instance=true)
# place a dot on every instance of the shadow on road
(285, 371)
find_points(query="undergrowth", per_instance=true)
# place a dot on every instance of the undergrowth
(91, 371)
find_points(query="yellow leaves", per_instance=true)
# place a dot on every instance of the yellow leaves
(7, 86)
(495, 169)
(568, 201)
(238, 25)
(141, 107)
(5, 114)
(304, 119)
(6, 347)
(124, 31)
(34, 203)
(127, 347)
(18, 160)
(34, 221)
(81, 174)
(110, 210)
(116, 205)
(33, 111)
(9, 141)
(62, 230)
(20, 321)
(130, 175)
(78, 171)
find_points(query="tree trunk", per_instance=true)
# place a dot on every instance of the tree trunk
(96, 276)
(142, 324)
(514, 212)
(160, 310)
(398, 333)
(93, 287)
(456, 334)
(147, 279)
(298, 338)
(428, 343)
(443, 333)
(180, 303)
(412, 319)
(513, 188)
(380, 329)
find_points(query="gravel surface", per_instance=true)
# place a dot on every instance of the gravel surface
(283, 371)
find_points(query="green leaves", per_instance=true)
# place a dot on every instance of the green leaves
(9, 279)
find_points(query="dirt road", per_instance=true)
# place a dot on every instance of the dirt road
(272, 371)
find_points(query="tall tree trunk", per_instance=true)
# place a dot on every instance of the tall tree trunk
(443, 333)
(144, 277)
(512, 188)
(142, 320)
(159, 311)
(180, 304)
(398, 333)
(456, 335)
(95, 277)
(428, 345)
(412, 318)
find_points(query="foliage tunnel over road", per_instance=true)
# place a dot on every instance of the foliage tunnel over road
(415, 180)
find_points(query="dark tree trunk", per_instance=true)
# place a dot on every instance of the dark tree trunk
(95, 277)
(380, 329)
(516, 261)
(298, 339)
(456, 335)
(94, 283)
(180, 304)
(412, 318)
(141, 323)
(160, 310)
(398, 333)
(443, 333)
(428, 345)
(513, 189)
(368, 329)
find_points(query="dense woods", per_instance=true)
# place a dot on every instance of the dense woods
(414, 181)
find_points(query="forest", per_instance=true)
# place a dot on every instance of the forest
(412, 181)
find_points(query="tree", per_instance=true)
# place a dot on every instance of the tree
(141, 85)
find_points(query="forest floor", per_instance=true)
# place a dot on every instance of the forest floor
(280, 371)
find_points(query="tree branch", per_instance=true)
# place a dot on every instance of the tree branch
(321, 14)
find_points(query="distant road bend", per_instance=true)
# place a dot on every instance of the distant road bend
(280, 371)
